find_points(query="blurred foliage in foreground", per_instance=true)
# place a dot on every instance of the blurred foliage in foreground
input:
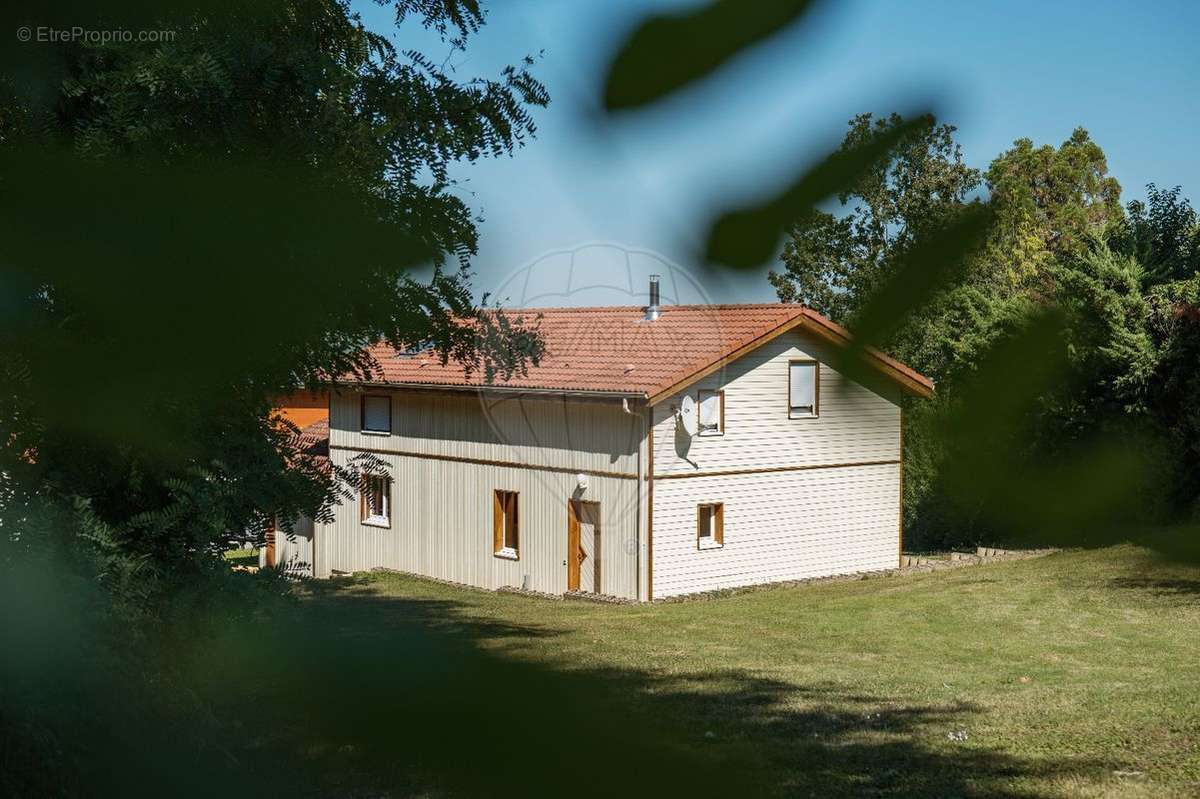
(196, 226)
(193, 225)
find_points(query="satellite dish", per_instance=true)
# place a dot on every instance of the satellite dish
(687, 414)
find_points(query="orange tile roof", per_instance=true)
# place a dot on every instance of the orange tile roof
(612, 350)
(314, 439)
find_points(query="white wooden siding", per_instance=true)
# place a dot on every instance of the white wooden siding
(829, 505)
(855, 424)
(778, 526)
(293, 551)
(441, 526)
(585, 435)
(448, 453)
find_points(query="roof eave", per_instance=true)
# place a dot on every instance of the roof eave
(823, 328)
(500, 389)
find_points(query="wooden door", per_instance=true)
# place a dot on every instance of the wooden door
(583, 546)
(271, 557)
(573, 545)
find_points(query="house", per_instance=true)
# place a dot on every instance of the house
(654, 452)
(304, 408)
(292, 551)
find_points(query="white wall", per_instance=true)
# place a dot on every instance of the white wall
(778, 526)
(803, 497)
(856, 424)
(293, 551)
(542, 431)
(442, 499)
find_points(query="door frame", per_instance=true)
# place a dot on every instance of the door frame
(574, 549)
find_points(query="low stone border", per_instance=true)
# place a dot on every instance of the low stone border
(958, 559)
(602, 599)
(912, 564)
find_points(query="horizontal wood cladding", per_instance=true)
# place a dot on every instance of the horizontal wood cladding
(531, 430)
(771, 470)
(857, 424)
(779, 526)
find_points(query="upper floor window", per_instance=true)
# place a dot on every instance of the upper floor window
(804, 385)
(505, 524)
(376, 414)
(711, 406)
(375, 501)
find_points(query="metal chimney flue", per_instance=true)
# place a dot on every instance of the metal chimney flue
(652, 308)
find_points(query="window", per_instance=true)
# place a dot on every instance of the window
(803, 389)
(712, 412)
(710, 525)
(375, 501)
(376, 414)
(505, 525)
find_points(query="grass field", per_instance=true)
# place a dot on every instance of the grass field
(1076, 674)
(242, 557)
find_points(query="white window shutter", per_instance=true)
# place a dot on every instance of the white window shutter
(377, 413)
(710, 411)
(803, 386)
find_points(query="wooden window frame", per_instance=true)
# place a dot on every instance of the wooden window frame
(717, 539)
(362, 415)
(500, 548)
(816, 365)
(721, 423)
(363, 515)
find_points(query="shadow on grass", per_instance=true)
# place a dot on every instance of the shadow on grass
(355, 693)
(395, 695)
(1170, 588)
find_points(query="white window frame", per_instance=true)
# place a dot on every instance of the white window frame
(798, 411)
(376, 520)
(505, 550)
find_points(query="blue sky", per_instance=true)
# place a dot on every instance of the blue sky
(588, 207)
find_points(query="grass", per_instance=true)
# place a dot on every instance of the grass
(1077, 674)
(242, 557)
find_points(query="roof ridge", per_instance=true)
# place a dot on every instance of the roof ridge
(665, 307)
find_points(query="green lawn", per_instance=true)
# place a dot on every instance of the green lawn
(1076, 674)
(242, 557)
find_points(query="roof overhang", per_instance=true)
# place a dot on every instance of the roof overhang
(822, 328)
(364, 385)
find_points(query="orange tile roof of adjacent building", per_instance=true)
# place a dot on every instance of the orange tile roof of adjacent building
(614, 350)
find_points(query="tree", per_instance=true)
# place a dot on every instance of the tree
(247, 203)
(1163, 234)
(1050, 202)
(831, 262)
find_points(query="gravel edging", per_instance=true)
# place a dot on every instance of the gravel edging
(913, 564)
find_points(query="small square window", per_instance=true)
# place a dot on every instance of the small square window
(375, 501)
(376, 414)
(711, 405)
(505, 524)
(804, 381)
(710, 525)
